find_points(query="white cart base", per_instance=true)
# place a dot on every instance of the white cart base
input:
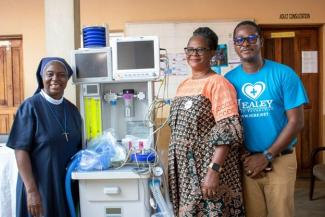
(113, 193)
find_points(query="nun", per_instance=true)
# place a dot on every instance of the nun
(45, 134)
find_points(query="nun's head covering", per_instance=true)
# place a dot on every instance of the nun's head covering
(43, 65)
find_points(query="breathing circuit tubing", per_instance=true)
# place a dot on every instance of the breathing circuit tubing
(68, 193)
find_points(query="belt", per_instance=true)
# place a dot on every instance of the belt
(285, 152)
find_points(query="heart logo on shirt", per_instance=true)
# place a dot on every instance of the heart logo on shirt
(253, 91)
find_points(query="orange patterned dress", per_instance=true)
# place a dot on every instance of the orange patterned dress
(204, 114)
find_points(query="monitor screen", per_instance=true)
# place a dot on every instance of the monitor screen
(135, 58)
(135, 55)
(91, 65)
(92, 89)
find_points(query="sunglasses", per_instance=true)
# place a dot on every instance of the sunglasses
(191, 50)
(251, 39)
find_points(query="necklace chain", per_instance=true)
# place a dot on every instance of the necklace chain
(57, 120)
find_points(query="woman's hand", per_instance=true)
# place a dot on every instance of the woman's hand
(24, 165)
(34, 204)
(210, 184)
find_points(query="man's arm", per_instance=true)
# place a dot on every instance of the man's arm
(293, 127)
(257, 162)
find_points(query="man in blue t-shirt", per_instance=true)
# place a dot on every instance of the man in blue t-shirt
(270, 98)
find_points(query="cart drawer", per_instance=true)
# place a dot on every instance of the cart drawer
(110, 190)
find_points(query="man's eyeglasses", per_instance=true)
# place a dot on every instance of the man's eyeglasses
(191, 50)
(251, 39)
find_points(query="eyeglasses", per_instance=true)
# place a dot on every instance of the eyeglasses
(251, 39)
(191, 50)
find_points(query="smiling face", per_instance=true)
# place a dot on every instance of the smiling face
(249, 50)
(199, 61)
(55, 79)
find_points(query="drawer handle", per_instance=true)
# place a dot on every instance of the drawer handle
(112, 190)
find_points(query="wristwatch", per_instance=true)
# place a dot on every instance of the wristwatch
(216, 167)
(268, 155)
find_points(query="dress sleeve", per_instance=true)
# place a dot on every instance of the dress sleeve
(227, 131)
(23, 128)
(223, 97)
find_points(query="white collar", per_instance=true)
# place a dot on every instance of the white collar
(50, 99)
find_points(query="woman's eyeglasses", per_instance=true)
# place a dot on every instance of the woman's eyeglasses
(191, 50)
(251, 39)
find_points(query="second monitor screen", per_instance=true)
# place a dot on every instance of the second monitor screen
(135, 55)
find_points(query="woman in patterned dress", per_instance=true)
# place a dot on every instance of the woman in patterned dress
(206, 136)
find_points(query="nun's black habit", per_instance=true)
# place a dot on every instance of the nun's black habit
(37, 131)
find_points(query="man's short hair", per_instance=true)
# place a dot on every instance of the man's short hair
(249, 23)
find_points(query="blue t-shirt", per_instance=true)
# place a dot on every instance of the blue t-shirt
(263, 99)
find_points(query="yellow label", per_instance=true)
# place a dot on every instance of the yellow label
(282, 34)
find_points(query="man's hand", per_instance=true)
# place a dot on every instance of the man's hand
(210, 184)
(254, 165)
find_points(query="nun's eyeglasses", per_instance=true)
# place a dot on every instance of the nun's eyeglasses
(191, 50)
(251, 39)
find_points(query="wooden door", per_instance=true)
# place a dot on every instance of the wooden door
(11, 80)
(285, 45)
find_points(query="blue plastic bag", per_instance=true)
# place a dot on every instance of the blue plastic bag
(98, 155)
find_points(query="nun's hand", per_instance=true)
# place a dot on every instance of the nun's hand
(34, 204)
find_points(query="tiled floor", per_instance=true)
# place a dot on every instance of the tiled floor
(303, 206)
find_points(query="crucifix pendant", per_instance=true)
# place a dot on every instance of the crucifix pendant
(66, 135)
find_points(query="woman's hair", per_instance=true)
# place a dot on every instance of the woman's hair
(248, 23)
(209, 35)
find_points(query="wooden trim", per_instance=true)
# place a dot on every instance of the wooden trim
(8, 109)
(289, 26)
(321, 32)
(278, 46)
(10, 37)
(10, 91)
(22, 92)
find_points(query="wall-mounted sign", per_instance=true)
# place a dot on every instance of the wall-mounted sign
(294, 16)
(309, 63)
(282, 34)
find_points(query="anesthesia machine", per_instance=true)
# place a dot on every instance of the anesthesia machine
(116, 92)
